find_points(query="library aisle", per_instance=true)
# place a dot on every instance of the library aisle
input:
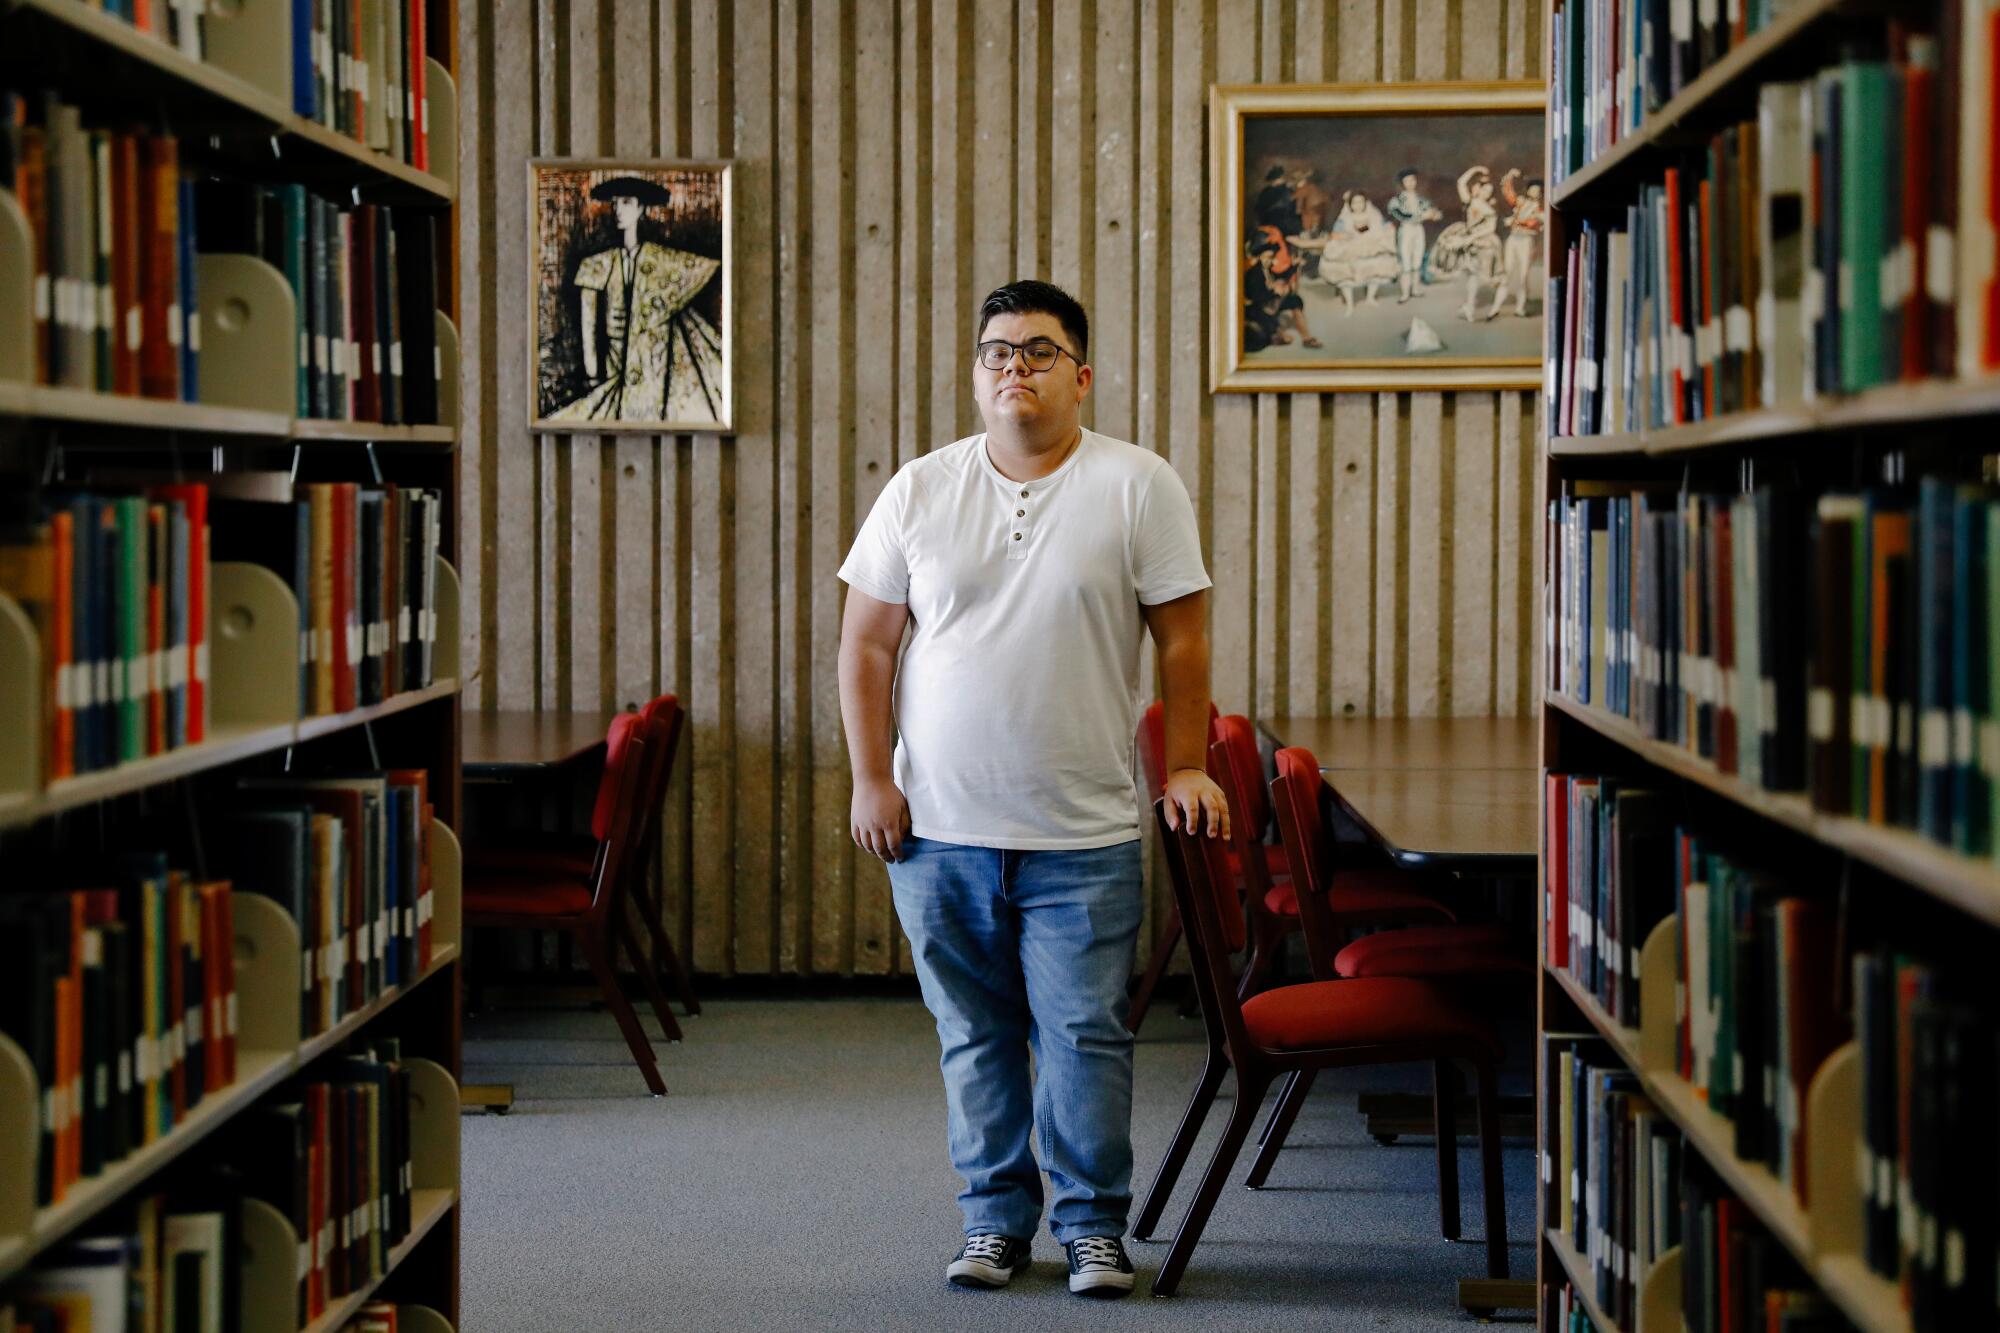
(797, 1178)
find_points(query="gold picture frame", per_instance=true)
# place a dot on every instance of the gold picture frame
(1339, 268)
(630, 295)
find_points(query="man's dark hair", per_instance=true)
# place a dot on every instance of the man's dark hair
(1032, 297)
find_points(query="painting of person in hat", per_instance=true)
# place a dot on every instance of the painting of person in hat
(648, 354)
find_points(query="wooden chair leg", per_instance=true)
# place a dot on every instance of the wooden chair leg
(1249, 1096)
(1291, 1080)
(1192, 1119)
(1444, 1112)
(664, 954)
(1279, 1127)
(1495, 1184)
(647, 978)
(598, 951)
(1163, 952)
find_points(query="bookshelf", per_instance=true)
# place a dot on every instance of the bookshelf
(232, 110)
(1884, 435)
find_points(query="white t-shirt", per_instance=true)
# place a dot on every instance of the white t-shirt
(1018, 690)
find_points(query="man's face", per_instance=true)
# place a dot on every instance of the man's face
(625, 209)
(1020, 397)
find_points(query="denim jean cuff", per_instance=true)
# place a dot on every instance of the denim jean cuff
(1065, 1232)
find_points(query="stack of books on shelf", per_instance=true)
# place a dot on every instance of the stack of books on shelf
(376, 1317)
(333, 1156)
(361, 562)
(1734, 1275)
(182, 24)
(348, 859)
(117, 584)
(123, 998)
(1927, 1153)
(364, 282)
(1566, 1314)
(1874, 692)
(1608, 880)
(1839, 241)
(111, 222)
(1617, 63)
(358, 68)
(167, 1260)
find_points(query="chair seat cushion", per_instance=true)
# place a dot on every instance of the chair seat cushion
(1364, 1012)
(1433, 951)
(1363, 896)
(525, 892)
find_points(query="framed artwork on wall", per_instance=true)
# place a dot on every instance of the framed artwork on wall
(1376, 237)
(629, 273)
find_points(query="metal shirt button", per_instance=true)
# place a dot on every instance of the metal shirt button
(1017, 536)
(1020, 513)
(1024, 494)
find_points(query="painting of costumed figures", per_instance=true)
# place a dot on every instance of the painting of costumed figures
(1377, 237)
(630, 271)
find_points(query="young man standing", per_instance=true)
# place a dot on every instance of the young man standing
(993, 771)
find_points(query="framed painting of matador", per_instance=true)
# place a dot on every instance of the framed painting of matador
(629, 271)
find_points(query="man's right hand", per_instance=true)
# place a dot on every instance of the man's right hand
(880, 819)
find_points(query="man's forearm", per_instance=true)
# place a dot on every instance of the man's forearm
(867, 681)
(1184, 682)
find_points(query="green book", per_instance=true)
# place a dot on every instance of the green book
(1864, 150)
(292, 204)
(1989, 724)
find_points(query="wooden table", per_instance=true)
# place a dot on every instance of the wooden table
(514, 738)
(1461, 794)
(501, 746)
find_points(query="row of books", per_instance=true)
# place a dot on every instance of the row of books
(1875, 691)
(375, 1317)
(1615, 63)
(1566, 1314)
(182, 24)
(168, 1264)
(123, 999)
(348, 858)
(1810, 252)
(1611, 1182)
(1734, 1275)
(334, 1157)
(111, 223)
(117, 585)
(1661, 613)
(364, 279)
(362, 564)
(358, 67)
(1927, 1155)
(1607, 867)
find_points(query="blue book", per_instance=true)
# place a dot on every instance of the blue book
(1935, 538)
(305, 87)
(190, 299)
(1969, 647)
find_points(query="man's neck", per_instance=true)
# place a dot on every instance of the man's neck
(1024, 458)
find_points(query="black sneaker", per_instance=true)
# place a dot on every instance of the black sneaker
(1098, 1266)
(988, 1260)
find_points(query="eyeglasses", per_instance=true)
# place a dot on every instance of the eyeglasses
(1040, 355)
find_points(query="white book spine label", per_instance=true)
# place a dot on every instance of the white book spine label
(194, 331)
(1819, 714)
(1989, 746)
(1961, 736)
(1812, 302)
(1933, 738)
(41, 298)
(1736, 329)
(132, 325)
(1940, 263)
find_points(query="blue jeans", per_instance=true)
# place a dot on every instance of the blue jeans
(1030, 950)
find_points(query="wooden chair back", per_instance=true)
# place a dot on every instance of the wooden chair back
(1296, 796)
(1205, 892)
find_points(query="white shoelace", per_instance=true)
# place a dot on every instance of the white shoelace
(1098, 1252)
(987, 1249)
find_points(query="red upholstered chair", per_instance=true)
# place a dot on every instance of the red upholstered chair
(590, 906)
(575, 855)
(1153, 758)
(1307, 1027)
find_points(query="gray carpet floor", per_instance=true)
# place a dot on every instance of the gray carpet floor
(796, 1179)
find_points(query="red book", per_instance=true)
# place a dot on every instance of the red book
(1555, 867)
(127, 240)
(346, 605)
(419, 92)
(159, 268)
(1677, 355)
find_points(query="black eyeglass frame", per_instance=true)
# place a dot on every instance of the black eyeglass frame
(979, 354)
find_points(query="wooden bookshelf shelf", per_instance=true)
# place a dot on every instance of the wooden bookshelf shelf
(1609, 176)
(227, 746)
(1926, 403)
(364, 432)
(38, 402)
(427, 1208)
(1577, 1269)
(1969, 885)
